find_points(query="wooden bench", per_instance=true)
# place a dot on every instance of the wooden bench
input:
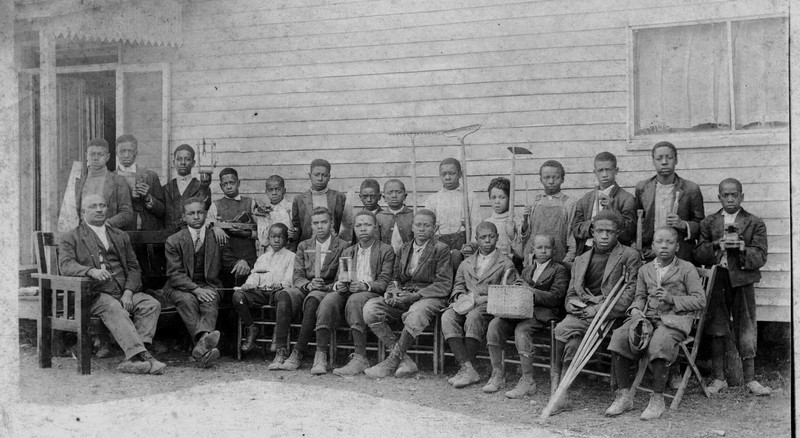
(65, 302)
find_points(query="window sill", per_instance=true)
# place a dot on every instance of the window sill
(763, 137)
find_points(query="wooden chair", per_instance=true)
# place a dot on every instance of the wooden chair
(688, 348)
(264, 319)
(65, 302)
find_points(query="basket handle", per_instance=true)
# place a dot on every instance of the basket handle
(505, 276)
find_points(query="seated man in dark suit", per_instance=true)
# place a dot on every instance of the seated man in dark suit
(194, 260)
(105, 254)
(423, 277)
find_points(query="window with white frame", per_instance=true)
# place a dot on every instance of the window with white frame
(726, 77)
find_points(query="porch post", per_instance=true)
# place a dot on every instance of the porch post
(49, 130)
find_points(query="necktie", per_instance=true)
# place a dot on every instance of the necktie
(197, 243)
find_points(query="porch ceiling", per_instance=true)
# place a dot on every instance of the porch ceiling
(156, 22)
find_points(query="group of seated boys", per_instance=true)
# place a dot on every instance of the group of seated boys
(391, 267)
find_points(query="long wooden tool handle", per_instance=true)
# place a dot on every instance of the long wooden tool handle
(639, 230)
(467, 216)
(513, 187)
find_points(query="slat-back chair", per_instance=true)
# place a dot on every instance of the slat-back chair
(688, 348)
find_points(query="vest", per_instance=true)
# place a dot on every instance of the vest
(112, 262)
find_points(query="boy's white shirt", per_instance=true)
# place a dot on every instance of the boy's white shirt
(280, 267)
(448, 205)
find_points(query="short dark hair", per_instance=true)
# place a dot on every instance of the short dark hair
(553, 163)
(319, 162)
(228, 171)
(486, 224)
(671, 230)
(548, 236)
(452, 161)
(394, 180)
(426, 212)
(193, 200)
(276, 179)
(322, 210)
(366, 213)
(183, 147)
(664, 144)
(731, 181)
(606, 156)
(500, 183)
(283, 229)
(127, 138)
(371, 184)
(98, 142)
(609, 215)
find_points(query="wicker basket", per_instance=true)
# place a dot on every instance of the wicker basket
(510, 301)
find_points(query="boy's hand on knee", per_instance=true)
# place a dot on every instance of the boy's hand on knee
(127, 300)
(358, 286)
(317, 284)
(221, 235)
(204, 295)
(589, 312)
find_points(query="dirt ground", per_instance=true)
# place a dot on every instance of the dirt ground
(243, 398)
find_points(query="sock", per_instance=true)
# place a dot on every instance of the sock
(660, 373)
(309, 322)
(283, 319)
(323, 339)
(496, 356)
(749, 369)
(360, 342)
(472, 345)
(459, 349)
(622, 370)
(718, 356)
(526, 364)
(405, 341)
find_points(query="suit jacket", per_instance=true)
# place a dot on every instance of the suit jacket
(381, 263)
(681, 282)
(434, 275)
(468, 281)
(78, 253)
(303, 205)
(173, 215)
(549, 290)
(386, 221)
(152, 218)
(117, 195)
(690, 209)
(621, 202)
(305, 262)
(621, 256)
(743, 266)
(179, 250)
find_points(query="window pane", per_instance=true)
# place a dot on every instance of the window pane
(761, 73)
(681, 79)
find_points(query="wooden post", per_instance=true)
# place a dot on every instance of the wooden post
(48, 143)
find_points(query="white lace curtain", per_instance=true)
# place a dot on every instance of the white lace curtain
(682, 80)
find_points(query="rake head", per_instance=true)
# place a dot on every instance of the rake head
(462, 131)
(517, 150)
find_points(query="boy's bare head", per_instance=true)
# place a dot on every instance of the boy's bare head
(394, 191)
(370, 194)
(730, 195)
(277, 236)
(605, 169)
(665, 243)
(450, 173)
(276, 189)
(127, 149)
(543, 245)
(486, 236)
(665, 158)
(364, 224)
(321, 223)
(320, 174)
(499, 189)
(551, 174)
(605, 229)
(424, 226)
(229, 182)
(194, 212)
(183, 159)
(97, 154)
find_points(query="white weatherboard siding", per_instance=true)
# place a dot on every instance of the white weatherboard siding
(276, 84)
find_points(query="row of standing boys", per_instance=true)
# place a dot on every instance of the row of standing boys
(404, 268)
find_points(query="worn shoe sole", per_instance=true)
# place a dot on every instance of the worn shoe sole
(156, 367)
(209, 358)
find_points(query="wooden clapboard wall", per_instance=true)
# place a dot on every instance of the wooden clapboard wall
(276, 84)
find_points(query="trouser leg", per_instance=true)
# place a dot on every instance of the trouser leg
(116, 318)
(309, 322)
(146, 311)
